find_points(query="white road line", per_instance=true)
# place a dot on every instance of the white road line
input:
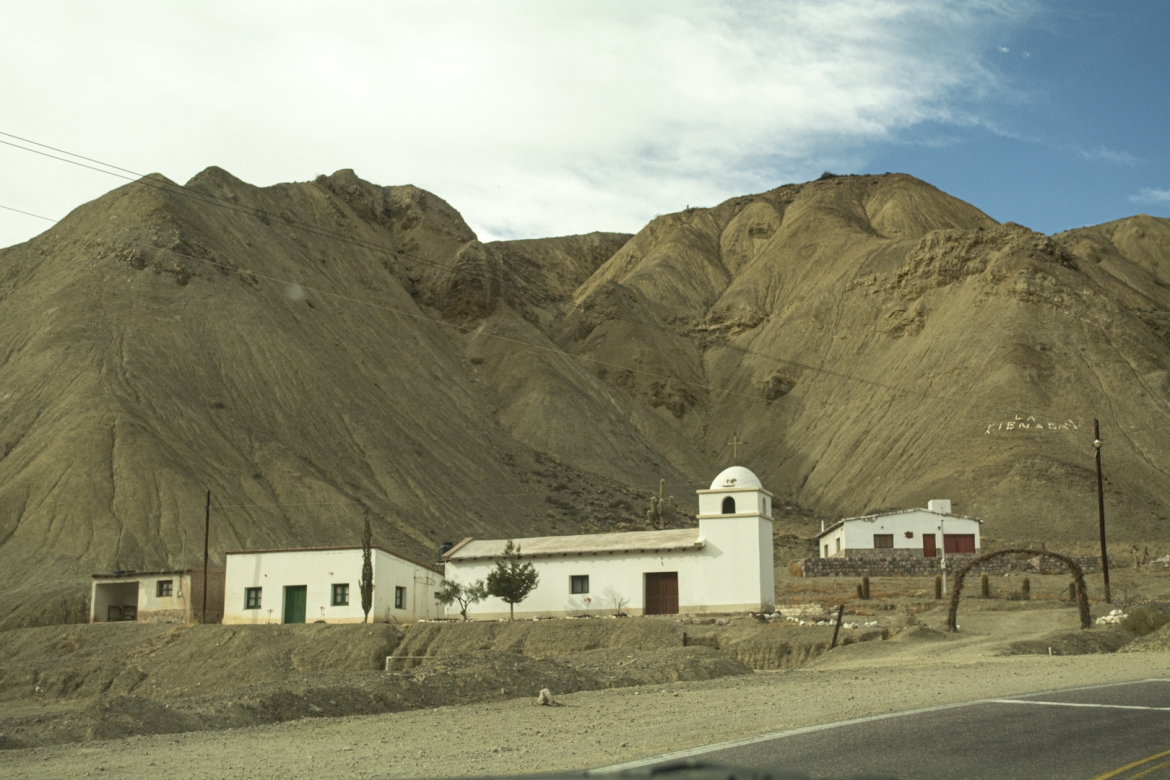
(1076, 704)
(659, 759)
(698, 751)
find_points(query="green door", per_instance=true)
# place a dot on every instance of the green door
(294, 603)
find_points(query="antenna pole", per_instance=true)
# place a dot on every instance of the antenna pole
(1101, 509)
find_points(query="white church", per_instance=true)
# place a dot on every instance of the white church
(724, 565)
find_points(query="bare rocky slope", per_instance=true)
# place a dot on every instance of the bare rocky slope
(311, 352)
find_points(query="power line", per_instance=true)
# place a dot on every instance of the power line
(345, 238)
(27, 213)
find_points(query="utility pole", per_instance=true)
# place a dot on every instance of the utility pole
(942, 531)
(1101, 509)
(206, 536)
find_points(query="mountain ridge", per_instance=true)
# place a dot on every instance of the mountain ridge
(312, 352)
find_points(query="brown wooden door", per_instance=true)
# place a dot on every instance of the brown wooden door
(662, 593)
(959, 543)
(928, 548)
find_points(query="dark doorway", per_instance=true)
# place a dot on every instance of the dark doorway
(662, 593)
(729, 506)
(294, 603)
(928, 548)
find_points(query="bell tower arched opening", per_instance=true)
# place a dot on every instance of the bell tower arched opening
(729, 506)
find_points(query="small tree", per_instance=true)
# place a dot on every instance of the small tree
(511, 580)
(366, 584)
(466, 595)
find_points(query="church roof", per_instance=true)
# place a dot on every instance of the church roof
(583, 544)
(736, 477)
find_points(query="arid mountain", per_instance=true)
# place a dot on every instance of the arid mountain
(313, 352)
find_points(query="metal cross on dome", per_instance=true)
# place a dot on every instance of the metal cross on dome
(735, 446)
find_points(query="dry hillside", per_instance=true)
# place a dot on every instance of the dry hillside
(311, 352)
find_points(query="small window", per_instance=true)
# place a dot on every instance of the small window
(165, 588)
(579, 583)
(251, 598)
(729, 506)
(399, 597)
(838, 544)
(341, 594)
(883, 541)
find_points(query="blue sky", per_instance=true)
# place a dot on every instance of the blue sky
(549, 118)
(1082, 135)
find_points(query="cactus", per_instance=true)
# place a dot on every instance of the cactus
(661, 512)
(860, 592)
(865, 587)
(1072, 590)
(938, 587)
(984, 586)
(1026, 589)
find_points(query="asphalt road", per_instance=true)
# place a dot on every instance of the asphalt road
(1120, 732)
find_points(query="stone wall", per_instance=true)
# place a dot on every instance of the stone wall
(911, 563)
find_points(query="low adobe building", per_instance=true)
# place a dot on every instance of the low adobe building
(156, 597)
(906, 543)
(913, 533)
(322, 585)
(723, 565)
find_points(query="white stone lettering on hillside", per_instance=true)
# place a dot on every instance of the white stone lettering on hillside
(1031, 424)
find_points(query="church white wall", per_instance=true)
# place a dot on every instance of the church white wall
(737, 562)
(618, 576)
(319, 570)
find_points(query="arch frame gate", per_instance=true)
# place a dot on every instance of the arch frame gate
(1078, 575)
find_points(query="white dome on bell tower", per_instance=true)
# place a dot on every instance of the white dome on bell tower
(736, 477)
(736, 492)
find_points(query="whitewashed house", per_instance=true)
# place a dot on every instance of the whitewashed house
(908, 533)
(321, 585)
(723, 565)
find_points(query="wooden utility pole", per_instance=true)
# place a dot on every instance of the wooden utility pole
(837, 628)
(1101, 509)
(206, 536)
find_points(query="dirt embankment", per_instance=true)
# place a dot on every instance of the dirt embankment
(77, 683)
(764, 645)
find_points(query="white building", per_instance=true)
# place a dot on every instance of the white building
(724, 565)
(905, 533)
(321, 585)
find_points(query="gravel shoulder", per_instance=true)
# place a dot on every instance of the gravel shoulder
(919, 667)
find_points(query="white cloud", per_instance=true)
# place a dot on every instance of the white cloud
(1149, 196)
(1108, 155)
(531, 118)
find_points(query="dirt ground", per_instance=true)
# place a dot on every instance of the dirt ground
(314, 706)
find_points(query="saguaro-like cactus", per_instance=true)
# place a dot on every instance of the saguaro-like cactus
(661, 512)
(937, 586)
(1026, 589)
(1072, 591)
(865, 587)
(984, 586)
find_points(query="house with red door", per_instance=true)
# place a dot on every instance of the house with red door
(909, 533)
